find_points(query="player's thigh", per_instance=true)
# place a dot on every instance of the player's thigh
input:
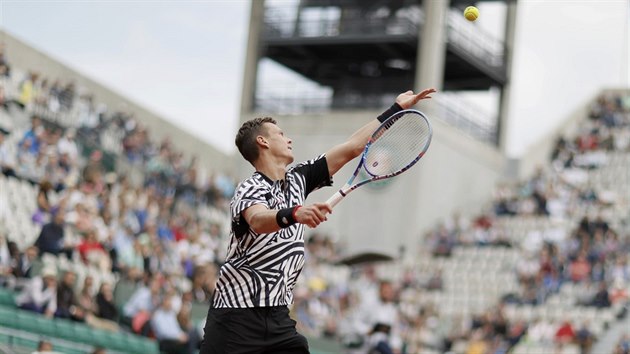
(232, 331)
(284, 337)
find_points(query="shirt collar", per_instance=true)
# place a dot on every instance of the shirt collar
(263, 177)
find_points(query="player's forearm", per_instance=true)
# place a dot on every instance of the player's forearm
(341, 154)
(264, 222)
(356, 142)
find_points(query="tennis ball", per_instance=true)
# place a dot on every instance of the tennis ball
(471, 13)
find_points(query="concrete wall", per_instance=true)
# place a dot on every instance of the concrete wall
(24, 57)
(458, 173)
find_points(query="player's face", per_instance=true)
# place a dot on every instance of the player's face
(280, 145)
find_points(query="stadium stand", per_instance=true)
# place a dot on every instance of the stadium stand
(544, 267)
(84, 237)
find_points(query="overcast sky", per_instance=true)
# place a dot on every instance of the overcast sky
(184, 59)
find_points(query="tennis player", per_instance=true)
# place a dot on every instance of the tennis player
(249, 312)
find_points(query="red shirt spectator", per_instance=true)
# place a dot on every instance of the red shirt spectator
(89, 244)
(565, 333)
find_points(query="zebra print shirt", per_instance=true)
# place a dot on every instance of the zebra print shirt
(261, 269)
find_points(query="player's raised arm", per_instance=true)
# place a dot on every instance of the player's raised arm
(341, 154)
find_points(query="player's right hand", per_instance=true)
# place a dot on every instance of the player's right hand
(313, 215)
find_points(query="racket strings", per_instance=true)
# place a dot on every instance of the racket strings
(397, 144)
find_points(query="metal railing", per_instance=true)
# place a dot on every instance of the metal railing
(275, 28)
(283, 23)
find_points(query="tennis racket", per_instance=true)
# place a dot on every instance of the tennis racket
(396, 145)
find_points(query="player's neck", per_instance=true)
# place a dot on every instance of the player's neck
(274, 171)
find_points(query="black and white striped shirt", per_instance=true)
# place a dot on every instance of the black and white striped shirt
(261, 269)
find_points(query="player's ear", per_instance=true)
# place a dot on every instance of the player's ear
(262, 141)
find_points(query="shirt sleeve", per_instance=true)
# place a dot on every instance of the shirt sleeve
(315, 173)
(248, 193)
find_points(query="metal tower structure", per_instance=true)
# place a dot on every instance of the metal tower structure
(366, 51)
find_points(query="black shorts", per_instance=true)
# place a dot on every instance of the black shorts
(260, 330)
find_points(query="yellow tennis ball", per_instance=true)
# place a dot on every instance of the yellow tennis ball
(471, 13)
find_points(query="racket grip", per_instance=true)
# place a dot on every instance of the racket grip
(335, 199)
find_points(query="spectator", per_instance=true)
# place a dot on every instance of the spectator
(86, 295)
(585, 338)
(131, 260)
(40, 217)
(44, 347)
(161, 261)
(6, 260)
(516, 330)
(25, 261)
(67, 145)
(93, 171)
(27, 89)
(444, 243)
(541, 331)
(580, 268)
(619, 293)
(33, 136)
(143, 301)
(378, 321)
(67, 302)
(624, 345)
(51, 238)
(4, 103)
(40, 294)
(5, 68)
(92, 252)
(89, 307)
(167, 330)
(106, 308)
(601, 298)
(565, 333)
(7, 157)
(435, 282)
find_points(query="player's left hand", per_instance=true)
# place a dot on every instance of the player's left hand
(409, 99)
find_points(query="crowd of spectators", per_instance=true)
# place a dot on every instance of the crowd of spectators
(166, 234)
(592, 254)
(164, 229)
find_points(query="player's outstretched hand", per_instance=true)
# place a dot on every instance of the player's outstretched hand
(409, 99)
(313, 215)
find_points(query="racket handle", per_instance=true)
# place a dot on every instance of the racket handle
(335, 199)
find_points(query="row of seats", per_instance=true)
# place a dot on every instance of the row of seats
(22, 342)
(75, 332)
(27, 321)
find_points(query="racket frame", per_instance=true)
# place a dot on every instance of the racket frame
(349, 187)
